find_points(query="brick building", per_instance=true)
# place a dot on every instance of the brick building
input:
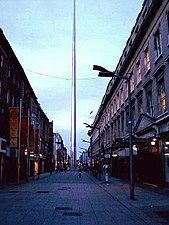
(23, 124)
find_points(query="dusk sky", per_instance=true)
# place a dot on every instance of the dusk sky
(40, 33)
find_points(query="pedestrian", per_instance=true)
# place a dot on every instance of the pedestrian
(65, 168)
(80, 172)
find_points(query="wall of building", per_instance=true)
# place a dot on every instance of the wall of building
(23, 124)
(145, 59)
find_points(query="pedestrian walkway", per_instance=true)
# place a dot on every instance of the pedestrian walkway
(64, 198)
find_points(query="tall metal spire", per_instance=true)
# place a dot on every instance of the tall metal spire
(73, 100)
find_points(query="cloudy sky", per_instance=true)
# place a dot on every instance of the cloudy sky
(40, 33)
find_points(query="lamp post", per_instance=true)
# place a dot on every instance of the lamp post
(106, 73)
(98, 128)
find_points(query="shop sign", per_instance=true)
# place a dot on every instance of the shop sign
(14, 118)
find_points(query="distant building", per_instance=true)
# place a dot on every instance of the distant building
(60, 153)
(146, 58)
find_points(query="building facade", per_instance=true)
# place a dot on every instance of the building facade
(60, 153)
(146, 59)
(23, 124)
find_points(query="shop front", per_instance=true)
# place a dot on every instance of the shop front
(165, 147)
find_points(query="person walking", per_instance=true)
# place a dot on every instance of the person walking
(80, 172)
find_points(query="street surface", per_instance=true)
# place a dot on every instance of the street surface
(65, 199)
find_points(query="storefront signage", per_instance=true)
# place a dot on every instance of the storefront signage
(14, 119)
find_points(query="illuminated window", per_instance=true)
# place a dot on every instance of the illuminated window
(147, 60)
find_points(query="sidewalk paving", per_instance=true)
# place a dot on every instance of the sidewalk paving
(67, 199)
(151, 204)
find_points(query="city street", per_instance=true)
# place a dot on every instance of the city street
(67, 199)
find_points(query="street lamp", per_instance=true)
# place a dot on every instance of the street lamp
(106, 73)
(98, 128)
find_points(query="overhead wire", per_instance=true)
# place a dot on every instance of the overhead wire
(58, 77)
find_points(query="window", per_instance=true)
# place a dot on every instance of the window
(118, 101)
(112, 110)
(147, 60)
(157, 44)
(13, 101)
(108, 134)
(2, 60)
(140, 104)
(138, 69)
(132, 82)
(168, 25)
(149, 100)
(14, 78)
(121, 96)
(118, 128)
(9, 71)
(125, 90)
(122, 124)
(8, 97)
(115, 130)
(115, 106)
(161, 96)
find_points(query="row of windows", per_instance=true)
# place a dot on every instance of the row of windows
(120, 124)
(136, 75)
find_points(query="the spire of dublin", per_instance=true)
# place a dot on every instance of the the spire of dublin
(73, 97)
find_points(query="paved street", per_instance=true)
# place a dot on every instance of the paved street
(67, 199)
